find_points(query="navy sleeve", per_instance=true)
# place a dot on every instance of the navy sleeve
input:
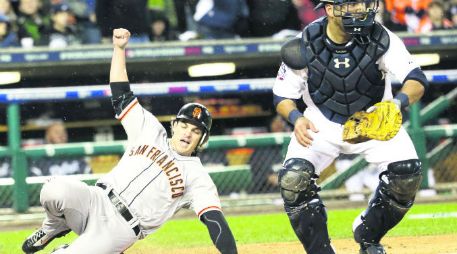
(121, 96)
(219, 231)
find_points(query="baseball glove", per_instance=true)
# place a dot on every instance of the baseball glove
(381, 122)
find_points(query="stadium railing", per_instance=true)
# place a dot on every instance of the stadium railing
(21, 191)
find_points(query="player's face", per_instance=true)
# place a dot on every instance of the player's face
(355, 9)
(185, 137)
(336, 20)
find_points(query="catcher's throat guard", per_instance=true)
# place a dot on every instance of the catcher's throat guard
(357, 16)
(383, 123)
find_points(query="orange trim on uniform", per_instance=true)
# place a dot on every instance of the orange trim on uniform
(208, 208)
(127, 110)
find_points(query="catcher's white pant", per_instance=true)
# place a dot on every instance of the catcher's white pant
(87, 211)
(328, 144)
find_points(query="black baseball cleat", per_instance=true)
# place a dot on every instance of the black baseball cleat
(372, 248)
(38, 240)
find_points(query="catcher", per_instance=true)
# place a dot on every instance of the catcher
(341, 65)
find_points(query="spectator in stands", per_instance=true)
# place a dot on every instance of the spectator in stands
(56, 133)
(7, 9)
(306, 12)
(453, 13)
(8, 37)
(31, 23)
(384, 17)
(435, 19)
(129, 14)
(167, 8)
(272, 17)
(186, 25)
(61, 33)
(159, 27)
(86, 22)
(5, 168)
(406, 14)
(218, 19)
(266, 161)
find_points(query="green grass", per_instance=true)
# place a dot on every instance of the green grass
(266, 228)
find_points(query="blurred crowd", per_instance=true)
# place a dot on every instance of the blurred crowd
(60, 23)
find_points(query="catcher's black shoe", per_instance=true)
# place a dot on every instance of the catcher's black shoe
(371, 248)
(38, 240)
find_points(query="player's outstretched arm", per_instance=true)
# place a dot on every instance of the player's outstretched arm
(122, 96)
(118, 72)
(219, 231)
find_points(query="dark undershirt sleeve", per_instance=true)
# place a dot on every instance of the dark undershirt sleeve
(121, 96)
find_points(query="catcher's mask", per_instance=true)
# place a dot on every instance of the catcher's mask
(197, 114)
(357, 15)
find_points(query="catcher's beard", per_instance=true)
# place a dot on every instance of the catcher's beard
(335, 25)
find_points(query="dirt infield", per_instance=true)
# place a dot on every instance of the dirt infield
(441, 244)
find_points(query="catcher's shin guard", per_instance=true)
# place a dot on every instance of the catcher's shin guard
(304, 207)
(391, 201)
(309, 222)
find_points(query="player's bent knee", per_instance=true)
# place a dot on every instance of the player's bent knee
(297, 181)
(53, 190)
(391, 201)
(404, 178)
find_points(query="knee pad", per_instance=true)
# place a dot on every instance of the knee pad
(297, 181)
(401, 181)
(52, 190)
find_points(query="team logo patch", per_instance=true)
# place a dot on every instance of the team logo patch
(197, 113)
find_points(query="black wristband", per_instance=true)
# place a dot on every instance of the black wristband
(404, 100)
(293, 116)
(118, 89)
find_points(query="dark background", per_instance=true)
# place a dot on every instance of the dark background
(83, 117)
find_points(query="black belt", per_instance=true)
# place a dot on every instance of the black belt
(121, 208)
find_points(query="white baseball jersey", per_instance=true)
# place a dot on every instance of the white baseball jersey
(397, 62)
(152, 179)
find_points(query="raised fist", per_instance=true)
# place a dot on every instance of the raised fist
(121, 37)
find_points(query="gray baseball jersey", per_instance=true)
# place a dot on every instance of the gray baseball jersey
(152, 179)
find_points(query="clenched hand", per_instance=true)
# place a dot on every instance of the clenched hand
(302, 129)
(121, 37)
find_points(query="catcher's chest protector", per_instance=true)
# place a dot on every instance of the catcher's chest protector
(344, 79)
